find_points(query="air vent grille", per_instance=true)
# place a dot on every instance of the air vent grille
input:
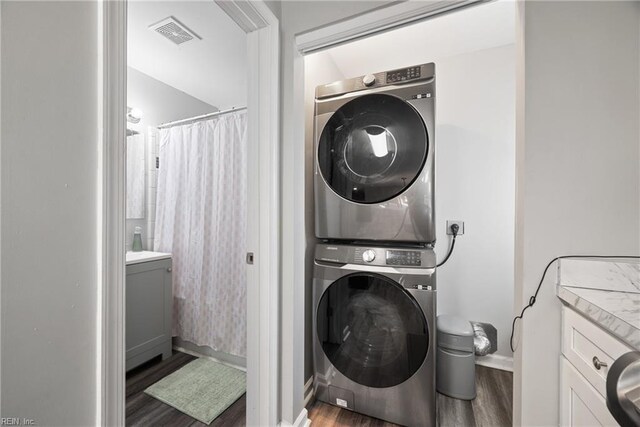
(174, 30)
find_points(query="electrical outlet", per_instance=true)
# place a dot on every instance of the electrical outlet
(460, 227)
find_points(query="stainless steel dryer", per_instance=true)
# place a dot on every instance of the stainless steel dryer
(374, 317)
(374, 163)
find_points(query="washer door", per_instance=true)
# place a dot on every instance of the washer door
(372, 330)
(372, 148)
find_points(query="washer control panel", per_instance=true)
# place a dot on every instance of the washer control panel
(400, 257)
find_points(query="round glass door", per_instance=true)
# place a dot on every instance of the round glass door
(372, 148)
(372, 330)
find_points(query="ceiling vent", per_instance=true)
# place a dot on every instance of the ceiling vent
(174, 30)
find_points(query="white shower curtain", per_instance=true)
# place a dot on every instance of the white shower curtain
(201, 216)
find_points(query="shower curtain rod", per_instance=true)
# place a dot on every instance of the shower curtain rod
(198, 118)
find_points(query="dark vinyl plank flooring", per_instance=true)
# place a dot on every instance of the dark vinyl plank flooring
(494, 401)
(491, 407)
(323, 414)
(144, 410)
(454, 412)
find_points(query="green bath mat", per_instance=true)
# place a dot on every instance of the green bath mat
(202, 389)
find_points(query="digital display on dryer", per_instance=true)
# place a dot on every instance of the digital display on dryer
(410, 258)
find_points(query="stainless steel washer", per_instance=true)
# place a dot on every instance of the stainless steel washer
(374, 161)
(374, 325)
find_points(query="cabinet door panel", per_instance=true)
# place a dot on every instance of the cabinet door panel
(145, 318)
(580, 404)
(148, 307)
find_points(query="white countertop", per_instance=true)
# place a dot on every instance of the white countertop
(607, 292)
(145, 256)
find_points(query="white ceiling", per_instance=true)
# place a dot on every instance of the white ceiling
(480, 27)
(213, 69)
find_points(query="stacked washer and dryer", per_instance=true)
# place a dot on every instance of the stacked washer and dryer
(374, 287)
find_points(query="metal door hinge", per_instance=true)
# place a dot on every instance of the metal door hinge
(249, 257)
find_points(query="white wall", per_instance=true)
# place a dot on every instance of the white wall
(160, 103)
(577, 167)
(475, 182)
(49, 175)
(275, 7)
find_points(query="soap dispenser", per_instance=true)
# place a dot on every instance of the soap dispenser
(137, 240)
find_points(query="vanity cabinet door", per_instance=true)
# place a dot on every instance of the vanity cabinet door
(580, 404)
(148, 311)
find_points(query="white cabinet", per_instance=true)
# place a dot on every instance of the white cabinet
(587, 352)
(580, 404)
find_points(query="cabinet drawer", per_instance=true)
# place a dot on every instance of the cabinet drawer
(580, 404)
(582, 340)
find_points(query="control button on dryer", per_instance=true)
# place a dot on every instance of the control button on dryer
(368, 255)
(369, 80)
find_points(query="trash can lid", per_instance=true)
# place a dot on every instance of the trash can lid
(454, 325)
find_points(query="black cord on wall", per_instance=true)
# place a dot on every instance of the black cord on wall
(532, 299)
(454, 229)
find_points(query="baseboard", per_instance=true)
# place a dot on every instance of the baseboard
(308, 391)
(301, 421)
(496, 361)
(206, 356)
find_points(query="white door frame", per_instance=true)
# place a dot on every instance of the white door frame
(294, 238)
(263, 39)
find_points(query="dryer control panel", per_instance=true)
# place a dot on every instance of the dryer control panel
(418, 73)
(403, 74)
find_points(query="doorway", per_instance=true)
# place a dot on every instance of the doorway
(345, 51)
(262, 34)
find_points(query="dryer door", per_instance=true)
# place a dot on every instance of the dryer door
(372, 148)
(372, 330)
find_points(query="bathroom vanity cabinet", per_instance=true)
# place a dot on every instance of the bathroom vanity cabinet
(149, 300)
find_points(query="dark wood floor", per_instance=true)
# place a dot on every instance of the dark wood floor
(491, 407)
(144, 410)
